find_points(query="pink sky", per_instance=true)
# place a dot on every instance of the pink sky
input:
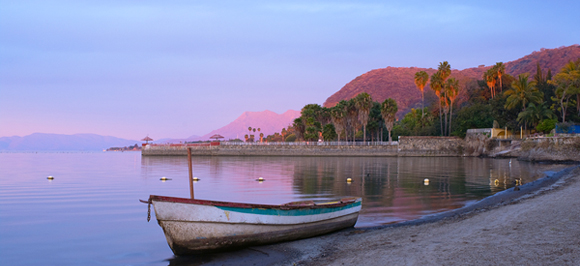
(171, 70)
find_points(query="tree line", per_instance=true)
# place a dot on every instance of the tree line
(349, 120)
(496, 100)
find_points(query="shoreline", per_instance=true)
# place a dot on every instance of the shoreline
(500, 229)
(505, 197)
(552, 150)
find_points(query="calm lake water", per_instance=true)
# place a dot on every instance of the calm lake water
(90, 213)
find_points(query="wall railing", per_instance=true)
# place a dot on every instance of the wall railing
(312, 143)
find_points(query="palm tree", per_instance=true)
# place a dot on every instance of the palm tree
(438, 83)
(299, 128)
(351, 117)
(445, 70)
(451, 91)
(363, 103)
(436, 86)
(522, 93)
(489, 78)
(388, 111)
(500, 70)
(283, 133)
(568, 85)
(445, 111)
(337, 116)
(534, 114)
(421, 79)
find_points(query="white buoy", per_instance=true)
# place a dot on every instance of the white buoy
(426, 181)
(50, 177)
(260, 179)
(349, 180)
(195, 179)
(164, 179)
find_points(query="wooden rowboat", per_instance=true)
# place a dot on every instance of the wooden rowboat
(194, 226)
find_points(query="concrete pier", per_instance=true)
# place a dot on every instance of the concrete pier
(555, 149)
(407, 146)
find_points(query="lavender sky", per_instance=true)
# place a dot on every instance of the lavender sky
(179, 68)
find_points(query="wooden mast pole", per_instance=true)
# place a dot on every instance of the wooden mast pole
(190, 172)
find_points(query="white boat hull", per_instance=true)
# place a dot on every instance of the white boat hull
(193, 226)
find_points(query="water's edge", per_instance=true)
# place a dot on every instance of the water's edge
(499, 199)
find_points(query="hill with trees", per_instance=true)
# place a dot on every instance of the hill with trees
(397, 82)
(496, 96)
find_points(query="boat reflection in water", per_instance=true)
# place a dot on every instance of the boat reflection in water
(393, 189)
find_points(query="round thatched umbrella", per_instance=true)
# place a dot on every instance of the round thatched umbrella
(216, 137)
(147, 139)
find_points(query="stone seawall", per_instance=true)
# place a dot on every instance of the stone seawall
(543, 149)
(562, 149)
(407, 146)
(430, 146)
(271, 150)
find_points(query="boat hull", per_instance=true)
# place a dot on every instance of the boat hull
(228, 236)
(197, 228)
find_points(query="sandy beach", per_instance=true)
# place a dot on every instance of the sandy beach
(540, 228)
(539, 225)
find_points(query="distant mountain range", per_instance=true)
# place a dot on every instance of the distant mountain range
(398, 82)
(60, 142)
(268, 122)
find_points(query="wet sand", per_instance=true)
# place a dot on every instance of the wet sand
(538, 225)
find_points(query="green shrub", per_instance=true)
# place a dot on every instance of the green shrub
(291, 138)
(546, 125)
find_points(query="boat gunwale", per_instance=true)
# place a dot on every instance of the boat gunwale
(264, 224)
(287, 206)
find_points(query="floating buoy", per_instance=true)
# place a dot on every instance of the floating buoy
(349, 180)
(195, 179)
(260, 179)
(50, 177)
(426, 181)
(164, 179)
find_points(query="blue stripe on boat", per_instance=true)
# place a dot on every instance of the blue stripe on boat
(297, 212)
